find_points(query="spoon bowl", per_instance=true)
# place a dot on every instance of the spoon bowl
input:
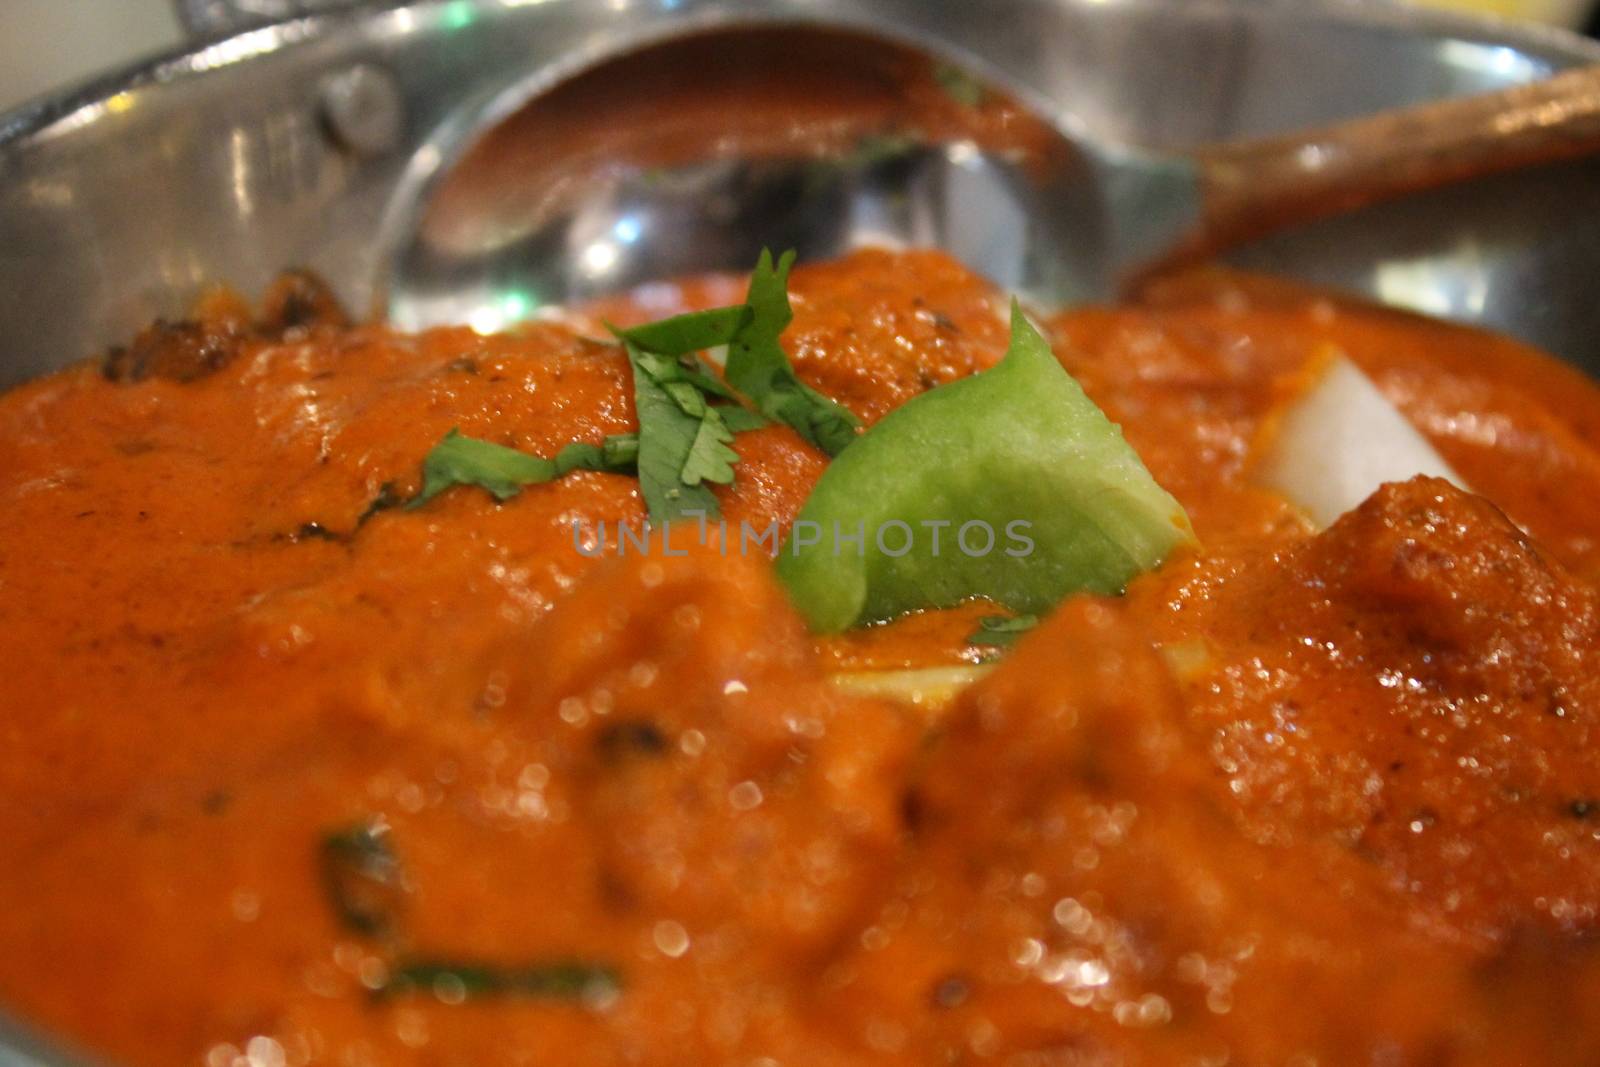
(323, 142)
(690, 155)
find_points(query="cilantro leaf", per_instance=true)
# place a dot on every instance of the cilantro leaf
(758, 367)
(1001, 631)
(703, 379)
(461, 460)
(710, 458)
(740, 419)
(694, 332)
(619, 453)
(667, 437)
(688, 386)
(684, 440)
(668, 346)
(615, 455)
(690, 401)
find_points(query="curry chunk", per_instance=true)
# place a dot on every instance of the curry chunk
(298, 300)
(1418, 683)
(1078, 877)
(221, 325)
(725, 779)
(179, 351)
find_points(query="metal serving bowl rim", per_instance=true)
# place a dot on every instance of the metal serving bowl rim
(35, 116)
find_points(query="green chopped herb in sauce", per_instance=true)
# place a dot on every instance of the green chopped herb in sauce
(759, 369)
(362, 877)
(678, 453)
(688, 416)
(454, 982)
(365, 881)
(741, 420)
(1009, 485)
(757, 366)
(461, 460)
(696, 331)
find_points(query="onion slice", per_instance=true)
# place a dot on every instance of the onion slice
(1340, 439)
(932, 688)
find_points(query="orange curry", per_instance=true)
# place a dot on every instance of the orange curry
(288, 777)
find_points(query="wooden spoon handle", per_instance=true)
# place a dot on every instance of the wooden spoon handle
(1250, 188)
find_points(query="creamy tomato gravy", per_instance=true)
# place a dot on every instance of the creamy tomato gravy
(1297, 798)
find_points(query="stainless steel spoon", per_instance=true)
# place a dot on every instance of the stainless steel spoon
(692, 154)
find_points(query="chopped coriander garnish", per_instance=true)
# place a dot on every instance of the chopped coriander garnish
(461, 460)
(710, 458)
(759, 369)
(455, 981)
(688, 416)
(676, 380)
(701, 377)
(741, 420)
(364, 881)
(670, 425)
(697, 331)
(615, 455)
(362, 876)
(1001, 631)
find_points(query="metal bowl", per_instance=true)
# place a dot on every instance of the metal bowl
(285, 145)
(288, 145)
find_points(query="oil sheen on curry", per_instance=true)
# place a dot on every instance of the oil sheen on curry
(343, 722)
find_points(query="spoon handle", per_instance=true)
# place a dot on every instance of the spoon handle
(1251, 188)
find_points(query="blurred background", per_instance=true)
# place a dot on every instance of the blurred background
(48, 44)
(45, 44)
